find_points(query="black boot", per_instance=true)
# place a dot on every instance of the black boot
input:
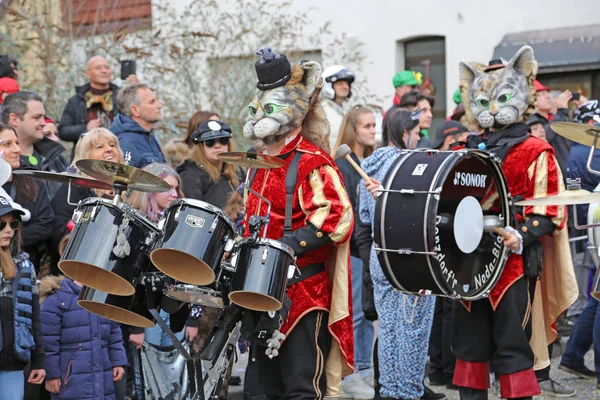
(472, 394)
(431, 395)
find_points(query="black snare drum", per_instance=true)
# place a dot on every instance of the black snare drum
(430, 223)
(261, 274)
(195, 238)
(108, 247)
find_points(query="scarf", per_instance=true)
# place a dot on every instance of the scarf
(500, 142)
(104, 100)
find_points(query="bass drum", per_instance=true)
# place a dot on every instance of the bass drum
(430, 223)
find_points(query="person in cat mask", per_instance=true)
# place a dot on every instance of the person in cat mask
(494, 333)
(311, 213)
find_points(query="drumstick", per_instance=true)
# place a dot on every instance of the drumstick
(345, 151)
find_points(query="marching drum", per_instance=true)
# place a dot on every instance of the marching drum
(260, 279)
(108, 247)
(195, 237)
(435, 223)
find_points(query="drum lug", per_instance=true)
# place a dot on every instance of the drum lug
(77, 216)
(93, 214)
(229, 245)
(214, 225)
(176, 217)
(292, 270)
(265, 255)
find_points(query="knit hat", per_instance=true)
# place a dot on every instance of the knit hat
(405, 78)
(272, 70)
(8, 86)
(586, 112)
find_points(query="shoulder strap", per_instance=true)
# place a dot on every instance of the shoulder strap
(291, 178)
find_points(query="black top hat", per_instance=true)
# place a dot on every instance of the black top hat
(494, 65)
(272, 70)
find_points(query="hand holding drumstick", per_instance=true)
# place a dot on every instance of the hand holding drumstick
(372, 184)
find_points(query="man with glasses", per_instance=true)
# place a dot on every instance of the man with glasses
(140, 111)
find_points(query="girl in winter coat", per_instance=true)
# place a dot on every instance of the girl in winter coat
(21, 340)
(404, 319)
(84, 352)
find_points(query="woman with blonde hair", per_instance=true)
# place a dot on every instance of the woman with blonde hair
(97, 144)
(203, 176)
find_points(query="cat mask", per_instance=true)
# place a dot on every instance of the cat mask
(275, 112)
(497, 97)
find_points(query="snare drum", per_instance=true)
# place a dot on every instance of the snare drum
(194, 240)
(96, 252)
(261, 274)
(423, 245)
(194, 294)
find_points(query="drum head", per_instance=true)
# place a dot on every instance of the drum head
(196, 295)
(117, 314)
(98, 278)
(255, 301)
(182, 266)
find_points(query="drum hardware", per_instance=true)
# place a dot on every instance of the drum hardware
(571, 196)
(406, 252)
(251, 160)
(410, 191)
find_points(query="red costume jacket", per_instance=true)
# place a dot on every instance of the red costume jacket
(531, 170)
(321, 200)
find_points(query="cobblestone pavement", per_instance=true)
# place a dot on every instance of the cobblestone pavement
(586, 389)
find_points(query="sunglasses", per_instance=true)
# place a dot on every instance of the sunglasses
(212, 142)
(15, 224)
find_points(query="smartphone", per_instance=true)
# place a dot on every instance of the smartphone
(127, 68)
(576, 96)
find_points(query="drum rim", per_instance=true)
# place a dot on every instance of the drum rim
(206, 206)
(501, 180)
(271, 243)
(124, 208)
(203, 290)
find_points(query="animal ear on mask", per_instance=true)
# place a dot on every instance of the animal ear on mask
(467, 73)
(312, 75)
(524, 61)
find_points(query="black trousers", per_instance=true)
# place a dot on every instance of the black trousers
(441, 358)
(501, 337)
(298, 372)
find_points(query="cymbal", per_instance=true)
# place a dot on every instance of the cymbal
(565, 198)
(580, 133)
(65, 177)
(133, 178)
(251, 160)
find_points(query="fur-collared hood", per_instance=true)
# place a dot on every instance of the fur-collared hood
(49, 285)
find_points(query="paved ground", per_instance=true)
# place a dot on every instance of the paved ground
(586, 389)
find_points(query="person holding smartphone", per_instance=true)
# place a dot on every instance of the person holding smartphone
(95, 104)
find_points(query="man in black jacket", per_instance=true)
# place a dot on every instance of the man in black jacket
(24, 111)
(94, 104)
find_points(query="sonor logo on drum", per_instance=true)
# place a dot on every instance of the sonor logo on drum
(469, 179)
(194, 221)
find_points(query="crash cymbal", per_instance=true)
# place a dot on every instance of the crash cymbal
(580, 133)
(251, 160)
(133, 178)
(568, 197)
(65, 177)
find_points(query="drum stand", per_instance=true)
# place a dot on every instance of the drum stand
(216, 353)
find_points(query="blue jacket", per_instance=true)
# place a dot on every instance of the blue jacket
(81, 348)
(141, 144)
(577, 168)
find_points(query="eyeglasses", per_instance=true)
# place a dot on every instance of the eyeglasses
(14, 225)
(211, 142)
